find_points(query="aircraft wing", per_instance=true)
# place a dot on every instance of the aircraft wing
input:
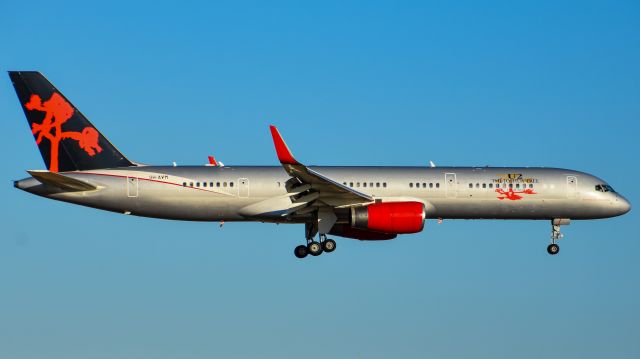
(331, 192)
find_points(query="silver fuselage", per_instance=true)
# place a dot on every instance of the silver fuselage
(257, 193)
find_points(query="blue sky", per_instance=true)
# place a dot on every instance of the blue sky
(349, 83)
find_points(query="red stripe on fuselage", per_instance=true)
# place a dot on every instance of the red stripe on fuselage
(151, 180)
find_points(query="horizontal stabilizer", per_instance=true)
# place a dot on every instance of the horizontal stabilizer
(61, 181)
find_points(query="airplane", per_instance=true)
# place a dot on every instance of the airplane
(366, 203)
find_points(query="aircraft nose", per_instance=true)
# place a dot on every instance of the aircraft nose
(622, 205)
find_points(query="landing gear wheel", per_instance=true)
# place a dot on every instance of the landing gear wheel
(314, 248)
(329, 245)
(553, 249)
(301, 251)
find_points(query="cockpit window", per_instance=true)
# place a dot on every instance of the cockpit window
(604, 188)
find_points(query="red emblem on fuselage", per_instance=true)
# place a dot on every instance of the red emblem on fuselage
(513, 195)
(58, 111)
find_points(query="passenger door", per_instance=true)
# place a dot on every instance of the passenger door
(243, 187)
(572, 186)
(450, 185)
(132, 187)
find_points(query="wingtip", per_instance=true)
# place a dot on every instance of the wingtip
(282, 150)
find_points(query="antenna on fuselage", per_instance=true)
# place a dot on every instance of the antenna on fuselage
(431, 164)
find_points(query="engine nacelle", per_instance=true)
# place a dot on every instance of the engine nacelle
(390, 217)
(345, 230)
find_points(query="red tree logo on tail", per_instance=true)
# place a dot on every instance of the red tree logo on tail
(513, 195)
(58, 111)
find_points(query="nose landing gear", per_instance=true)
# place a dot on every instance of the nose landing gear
(553, 249)
(556, 235)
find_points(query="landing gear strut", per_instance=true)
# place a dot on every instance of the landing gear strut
(321, 225)
(556, 235)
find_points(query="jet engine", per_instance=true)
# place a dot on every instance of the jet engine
(389, 217)
(345, 230)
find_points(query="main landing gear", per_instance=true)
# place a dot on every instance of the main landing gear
(556, 235)
(322, 224)
(315, 248)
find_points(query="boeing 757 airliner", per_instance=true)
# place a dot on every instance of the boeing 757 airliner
(365, 203)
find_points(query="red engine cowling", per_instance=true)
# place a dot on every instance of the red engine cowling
(345, 230)
(390, 217)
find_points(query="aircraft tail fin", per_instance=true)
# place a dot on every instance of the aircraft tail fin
(66, 139)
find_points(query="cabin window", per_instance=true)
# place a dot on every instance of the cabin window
(217, 184)
(510, 185)
(417, 185)
(344, 183)
(204, 184)
(184, 184)
(357, 184)
(364, 184)
(230, 184)
(490, 185)
(470, 185)
(210, 184)
(431, 185)
(437, 184)
(377, 184)
(424, 185)
(350, 184)
(224, 184)
(517, 185)
(477, 185)
(411, 185)
(484, 185)
(190, 184)
(530, 185)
